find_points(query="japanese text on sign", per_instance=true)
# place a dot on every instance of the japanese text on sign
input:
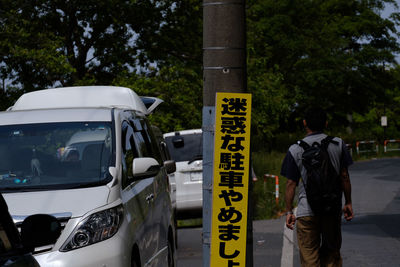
(231, 179)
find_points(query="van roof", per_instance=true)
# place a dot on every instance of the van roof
(81, 96)
(55, 115)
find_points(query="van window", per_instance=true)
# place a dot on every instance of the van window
(160, 142)
(129, 152)
(155, 148)
(55, 155)
(136, 142)
(186, 147)
(146, 143)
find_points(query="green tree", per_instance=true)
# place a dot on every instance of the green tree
(172, 59)
(300, 52)
(178, 40)
(180, 88)
(328, 52)
(45, 43)
(153, 47)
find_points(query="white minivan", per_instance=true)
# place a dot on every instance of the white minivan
(88, 157)
(186, 149)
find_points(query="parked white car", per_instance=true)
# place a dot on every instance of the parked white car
(186, 148)
(88, 157)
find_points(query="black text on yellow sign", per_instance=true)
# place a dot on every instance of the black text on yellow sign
(230, 179)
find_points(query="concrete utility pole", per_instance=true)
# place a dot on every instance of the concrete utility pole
(224, 64)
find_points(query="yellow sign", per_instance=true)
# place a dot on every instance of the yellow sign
(231, 180)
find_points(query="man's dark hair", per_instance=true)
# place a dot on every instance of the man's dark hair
(316, 119)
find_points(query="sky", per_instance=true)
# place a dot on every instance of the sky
(388, 10)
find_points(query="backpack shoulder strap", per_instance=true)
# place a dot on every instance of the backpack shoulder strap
(327, 140)
(303, 144)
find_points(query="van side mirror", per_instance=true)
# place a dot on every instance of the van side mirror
(144, 168)
(170, 166)
(39, 230)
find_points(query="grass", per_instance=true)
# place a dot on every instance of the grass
(198, 222)
(380, 154)
(264, 200)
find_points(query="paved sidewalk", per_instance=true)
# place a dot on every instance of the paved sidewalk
(269, 247)
(268, 244)
(368, 240)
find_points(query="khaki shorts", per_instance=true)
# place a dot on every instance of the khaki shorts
(320, 239)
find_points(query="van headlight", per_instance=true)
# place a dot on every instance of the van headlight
(95, 228)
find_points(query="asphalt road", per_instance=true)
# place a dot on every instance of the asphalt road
(372, 238)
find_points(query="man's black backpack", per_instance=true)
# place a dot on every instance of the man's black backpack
(323, 186)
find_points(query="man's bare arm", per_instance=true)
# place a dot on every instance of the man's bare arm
(346, 186)
(289, 197)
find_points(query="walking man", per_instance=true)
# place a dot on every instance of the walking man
(318, 228)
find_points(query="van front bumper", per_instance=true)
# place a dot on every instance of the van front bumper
(108, 253)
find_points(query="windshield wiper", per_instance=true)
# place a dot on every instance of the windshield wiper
(82, 185)
(87, 184)
(197, 157)
(22, 189)
(8, 189)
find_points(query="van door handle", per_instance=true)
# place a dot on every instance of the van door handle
(150, 198)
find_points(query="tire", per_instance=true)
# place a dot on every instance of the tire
(135, 260)
(134, 264)
(171, 252)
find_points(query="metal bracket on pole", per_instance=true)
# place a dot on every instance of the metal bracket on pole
(222, 3)
(208, 128)
(222, 48)
(206, 240)
(223, 68)
(208, 187)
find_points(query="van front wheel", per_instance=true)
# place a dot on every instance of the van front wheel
(135, 259)
(171, 256)
(135, 263)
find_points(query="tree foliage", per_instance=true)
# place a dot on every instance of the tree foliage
(45, 43)
(339, 54)
(181, 89)
(178, 39)
(368, 124)
(328, 52)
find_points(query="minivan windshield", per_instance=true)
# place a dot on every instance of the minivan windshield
(188, 147)
(58, 155)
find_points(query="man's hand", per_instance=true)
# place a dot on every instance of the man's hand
(347, 212)
(346, 185)
(290, 220)
(289, 195)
